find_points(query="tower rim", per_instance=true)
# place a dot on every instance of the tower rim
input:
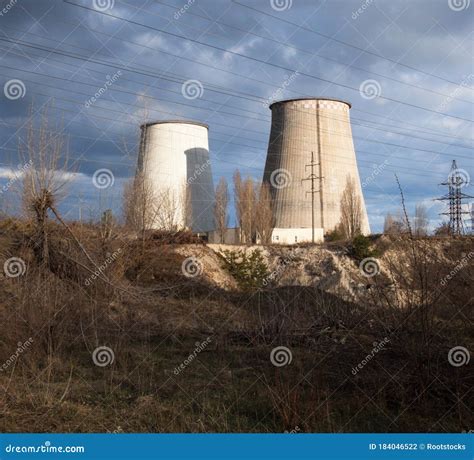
(177, 122)
(309, 98)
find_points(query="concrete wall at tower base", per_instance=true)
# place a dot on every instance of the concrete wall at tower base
(231, 236)
(296, 235)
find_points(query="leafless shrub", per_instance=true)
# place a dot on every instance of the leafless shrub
(221, 217)
(351, 210)
(420, 221)
(264, 222)
(46, 151)
(394, 224)
(245, 203)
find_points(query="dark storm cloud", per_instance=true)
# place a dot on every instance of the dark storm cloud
(103, 132)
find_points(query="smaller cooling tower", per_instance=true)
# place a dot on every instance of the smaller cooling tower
(310, 155)
(174, 164)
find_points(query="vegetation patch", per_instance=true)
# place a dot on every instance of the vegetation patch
(361, 248)
(250, 270)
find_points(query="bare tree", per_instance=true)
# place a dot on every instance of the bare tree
(146, 208)
(351, 210)
(220, 208)
(249, 202)
(443, 229)
(139, 204)
(169, 209)
(238, 201)
(421, 220)
(187, 205)
(107, 225)
(388, 224)
(46, 152)
(245, 204)
(395, 224)
(264, 214)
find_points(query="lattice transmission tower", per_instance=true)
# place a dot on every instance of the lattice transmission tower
(457, 180)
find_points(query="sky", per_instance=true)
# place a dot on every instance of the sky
(103, 67)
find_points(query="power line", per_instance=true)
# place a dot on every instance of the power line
(346, 44)
(254, 118)
(354, 121)
(115, 120)
(157, 49)
(312, 53)
(240, 144)
(248, 146)
(263, 62)
(259, 149)
(210, 87)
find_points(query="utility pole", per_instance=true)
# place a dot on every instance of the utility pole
(312, 177)
(455, 196)
(80, 206)
(472, 219)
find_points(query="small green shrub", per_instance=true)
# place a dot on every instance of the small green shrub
(335, 235)
(361, 248)
(249, 270)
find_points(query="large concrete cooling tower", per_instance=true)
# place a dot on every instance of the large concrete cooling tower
(310, 155)
(175, 167)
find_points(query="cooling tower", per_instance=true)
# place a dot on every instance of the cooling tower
(310, 156)
(175, 166)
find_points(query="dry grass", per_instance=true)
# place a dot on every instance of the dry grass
(151, 316)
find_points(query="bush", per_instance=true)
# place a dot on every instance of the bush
(178, 237)
(249, 270)
(361, 248)
(335, 235)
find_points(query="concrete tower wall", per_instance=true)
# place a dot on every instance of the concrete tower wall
(302, 128)
(174, 162)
